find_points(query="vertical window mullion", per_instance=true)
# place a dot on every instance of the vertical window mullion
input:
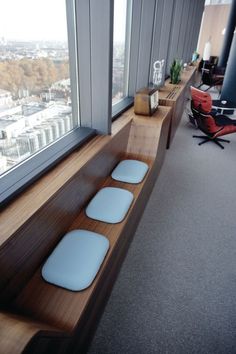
(73, 59)
(101, 19)
(127, 46)
(121, 55)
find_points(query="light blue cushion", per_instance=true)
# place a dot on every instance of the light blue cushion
(110, 205)
(76, 260)
(130, 171)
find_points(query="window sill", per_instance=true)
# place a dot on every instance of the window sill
(23, 207)
(121, 107)
(24, 174)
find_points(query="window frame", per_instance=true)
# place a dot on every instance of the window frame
(20, 176)
(127, 101)
(72, 37)
(121, 106)
(28, 171)
(90, 40)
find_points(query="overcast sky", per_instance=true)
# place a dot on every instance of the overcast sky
(33, 19)
(119, 20)
(45, 19)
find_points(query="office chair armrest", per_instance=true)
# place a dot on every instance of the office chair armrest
(204, 70)
(221, 119)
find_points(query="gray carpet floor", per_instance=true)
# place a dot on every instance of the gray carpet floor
(176, 292)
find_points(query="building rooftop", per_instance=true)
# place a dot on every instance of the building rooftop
(31, 109)
(4, 92)
(4, 123)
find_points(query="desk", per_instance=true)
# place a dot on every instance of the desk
(222, 106)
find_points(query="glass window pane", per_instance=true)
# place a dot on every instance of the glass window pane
(120, 50)
(35, 93)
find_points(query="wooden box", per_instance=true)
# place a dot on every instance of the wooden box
(146, 101)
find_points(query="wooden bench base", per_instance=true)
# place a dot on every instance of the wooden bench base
(77, 313)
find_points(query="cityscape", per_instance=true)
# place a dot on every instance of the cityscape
(35, 96)
(119, 78)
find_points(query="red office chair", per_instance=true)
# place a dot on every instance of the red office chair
(211, 124)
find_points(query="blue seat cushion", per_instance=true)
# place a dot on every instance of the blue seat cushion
(76, 260)
(110, 205)
(130, 171)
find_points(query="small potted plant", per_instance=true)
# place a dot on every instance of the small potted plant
(175, 71)
(195, 57)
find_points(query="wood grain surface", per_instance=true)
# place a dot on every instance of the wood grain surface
(23, 252)
(176, 96)
(26, 242)
(145, 133)
(16, 332)
(63, 308)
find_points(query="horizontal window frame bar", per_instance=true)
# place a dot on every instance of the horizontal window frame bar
(20, 177)
(121, 106)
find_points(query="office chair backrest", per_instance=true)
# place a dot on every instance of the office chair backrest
(201, 100)
(213, 60)
(201, 105)
(207, 74)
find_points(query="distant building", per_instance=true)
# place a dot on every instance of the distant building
(22, 93)
(62, 85)
(10, 128)
(10, 112)
(31, 127)
(3, 164)
(3, 41)
(5, 98)
(46, 95)
(13, 152)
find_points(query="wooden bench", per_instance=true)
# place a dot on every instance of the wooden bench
(45, 317)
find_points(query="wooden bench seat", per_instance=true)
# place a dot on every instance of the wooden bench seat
(77, 313)
(63, 308)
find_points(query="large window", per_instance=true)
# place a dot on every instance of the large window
(40, 84)
(121, 46)
(35, 87)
